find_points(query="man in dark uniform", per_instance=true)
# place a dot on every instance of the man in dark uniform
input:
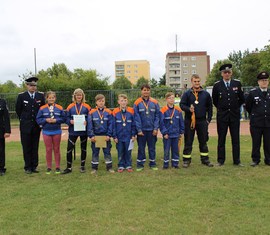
(258, 106)
(228, 97)
(4, 133)
(27, 106)
(198, 107)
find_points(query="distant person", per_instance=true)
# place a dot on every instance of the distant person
(177, 99)
(50, 117)
(258, 107)
(5, 131)
(228, 97)
(197, 105)
(246, 115)
(172, 128)
(78, 107)
(146, 111)
(27, 106)
(100, 123)
(124, 132)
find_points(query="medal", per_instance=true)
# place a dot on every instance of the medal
(171, 121)
(124, 124)
(147, 112)
(101, 122)
(196, 102)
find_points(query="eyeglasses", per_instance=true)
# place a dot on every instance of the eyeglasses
(229, 72)
(32, 85)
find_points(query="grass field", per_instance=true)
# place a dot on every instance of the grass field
(197, 200)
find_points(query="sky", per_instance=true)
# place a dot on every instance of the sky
(93, 34)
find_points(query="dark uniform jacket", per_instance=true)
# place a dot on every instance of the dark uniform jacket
(228, 101)
(204, 108)
(258, 107)
(27, 109)
(4, 119)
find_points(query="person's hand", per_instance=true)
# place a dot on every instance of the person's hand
(92, 139)
(115, 140)
(140, 133)
(166, 136)
(191, 109)
(6, 135)
(133, 138)
(85, 123)
(72, 122)
(108, 138)
(154, 133)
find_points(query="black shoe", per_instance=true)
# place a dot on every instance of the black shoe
(82, 169)
(219, 164)
(186, 164)
(67, 171)
(176, 167)
(2, 173)
(165, 168)
(267, 163)
(35, 170)
(208, 163)
(253, 164)
(27, 172)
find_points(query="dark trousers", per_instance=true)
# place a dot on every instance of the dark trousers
(201, 129)
(151, 143)
(171, 145)
(2, 154)
(256, 134)
(124, 155)
(30, 143)
(222, 129)
(107, 155)
(71, 145)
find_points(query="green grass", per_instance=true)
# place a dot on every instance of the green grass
(197, 200)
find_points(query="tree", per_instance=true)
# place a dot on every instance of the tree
(250, 69)
(153, 83)
(162, 80)
(141, 81)
(122, 83)
(265, 58)
(236, 57)
(9, 87)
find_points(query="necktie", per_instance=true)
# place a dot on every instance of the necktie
(32, 97)
(227, 84)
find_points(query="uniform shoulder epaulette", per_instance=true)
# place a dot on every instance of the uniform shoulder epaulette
(153, 100)
(236, 80)
(164, 109)
(139, 100)
(253, 89)
(40, 92)
(59, 106)
(217, 82)
(21, 92)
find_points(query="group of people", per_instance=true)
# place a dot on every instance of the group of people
(142, 121)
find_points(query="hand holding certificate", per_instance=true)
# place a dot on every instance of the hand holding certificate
(79, 123)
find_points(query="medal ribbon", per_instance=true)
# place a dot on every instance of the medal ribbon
(193, 118)
(123, 117)
(145, 105)
(101, 116)
(78, 112)
(171, 116)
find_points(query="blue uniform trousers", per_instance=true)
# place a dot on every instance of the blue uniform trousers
(151, 143)
(171, 144)
(107, 156)
(124, 155)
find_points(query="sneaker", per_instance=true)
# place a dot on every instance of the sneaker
(49, 170)
(208, 163)
(82, 169)
(239, 164)
(120, 170)
(35, 170)
(129, 170)
(154, 168)
(93, 171)
(139, 169)
(111, 170)
(67, 171)
(253, 164)
(2, 173)
(219, 164)
(186, 164)
(57, 171)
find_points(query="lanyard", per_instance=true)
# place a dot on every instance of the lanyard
(171, 115)
(146, 106)
(124, 118)
(101, 116)
(195, 93)
(78, 112)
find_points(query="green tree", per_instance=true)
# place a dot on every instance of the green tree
(162, 80)
(265, 58)
(250, 68)
(215, 74)
(140, 82)
(153, 83)
(236, 57)
(122, 83)
(9, 87)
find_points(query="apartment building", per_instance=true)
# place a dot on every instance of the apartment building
(181, 65)
(132, 69)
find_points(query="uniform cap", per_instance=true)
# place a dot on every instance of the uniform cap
(31, 81)
(225, 67)
(262, 75)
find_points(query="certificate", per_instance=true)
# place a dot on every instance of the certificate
(100, 141)
(79, 123)
(131, 145)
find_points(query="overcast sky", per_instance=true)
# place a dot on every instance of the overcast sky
(93, 34)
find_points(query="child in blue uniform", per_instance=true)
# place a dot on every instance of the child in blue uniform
(78, 107)
(171, 127)
(100, 123)
(146, 111)
(124, 131)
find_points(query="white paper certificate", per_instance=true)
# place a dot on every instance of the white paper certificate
(79, 123)
(131, 145)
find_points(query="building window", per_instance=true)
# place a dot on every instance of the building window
(176, 58)
(193, 58)
(135, 71)
(184, 58)
(135, 66)
(185, 72)
(193, 71)
(193, 65)
(185, 65)
(128, 71)
(185, 79)
(128, 66)
(128, 77)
